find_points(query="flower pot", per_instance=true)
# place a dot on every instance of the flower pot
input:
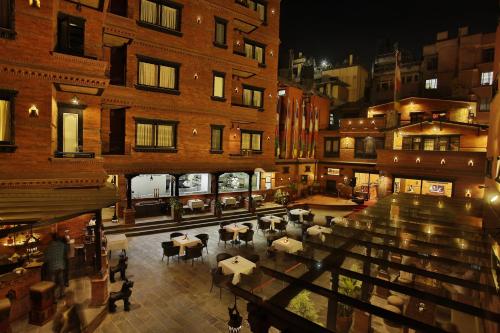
(343, 323)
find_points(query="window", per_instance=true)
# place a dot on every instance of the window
(432, 64)
(416, 117)
(286, 170)
(486, 78)
(218, 88)
(253, 96)
(158, 75)
(484, 105)
(431, 84)
(255, 51)
(69, 129)
(307, 168)
(220, 32)
(161, 15)
(333, 122)
(7, 19)
(216, 138)
(7, 120)
(429, 142)
(155, 135)
(251, 141)
(367, 147)
(332, 147)
(259, 7)
(488, 55)
(70, 34)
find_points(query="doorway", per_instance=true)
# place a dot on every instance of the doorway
(70, 130)
(118, 61)
(117, 131)
(331, 187)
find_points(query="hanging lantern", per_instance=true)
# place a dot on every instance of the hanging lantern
(235, 320)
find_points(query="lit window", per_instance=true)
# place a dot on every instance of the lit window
(220, 32)
(163, 14)
(155, 134)
(216, 138)
(259, 7)
(158, 74)
(218, 91)
(486, 78)
(431, 84)
(484, 105)
(332, 147)
(253, 97)
(251, 141)
(255, 51)
(6, 117)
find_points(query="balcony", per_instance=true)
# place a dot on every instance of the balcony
(361, 124)
(433, 163)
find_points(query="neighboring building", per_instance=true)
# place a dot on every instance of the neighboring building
(122, 91)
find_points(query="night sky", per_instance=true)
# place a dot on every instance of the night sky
(332, 29)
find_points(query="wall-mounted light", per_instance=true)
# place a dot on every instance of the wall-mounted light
(236, 90)
(434, 128)
(494, 198)
(195, 76)
(33, 111)
(411, 103)
(350, 122)
(470, 163)
(281, 179)
(270, 95)
(396, 159)
(467, 193)
(443, 161)
(268, 138)
(75, 100)
(271, 53)
(361, 121)
(417, 160)
(273, 11)
(198, 19)
(373, 122)
(238, 43)
(289, 178)
(195, 131)
(35, 3)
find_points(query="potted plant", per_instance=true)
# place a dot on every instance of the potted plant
(218, 208)
(352, 288)
(293, 186)
(303, 306)
(176, 207)
(281, 197)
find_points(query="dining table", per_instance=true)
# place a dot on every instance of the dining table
(288, 245)
(272, 219)
(236, 265)
(195, 204)
(236, 229)
(229, 201)
(300, 213)
(185, 241)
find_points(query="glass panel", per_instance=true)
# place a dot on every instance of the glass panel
(256, 141)
(220, 33)
(437, 188)
(218, 86)
(148, 74)
(328, 146)
(245, 141)
(151, 186)
(443, 143)
(370, 146)
(70, 132)
(248, 50)
(167, 77)
(247, 97)
(148, 12)
(455, 143)
(416, 143)
(404, 185)
(259, 54)
(169, 17)
(194, 183)
(257, 98)
(429, 144)
(261, 10)
(144, 135)
(216, 139)
(233, 182)
(165, 136)
(5, 120)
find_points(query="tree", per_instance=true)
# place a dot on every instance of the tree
(303, 306)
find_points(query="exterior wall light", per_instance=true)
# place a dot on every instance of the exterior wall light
(470, 163)
(494, 198)
(417, 160)
(467, 193)
(33, 111)
(443, 161)
(195, 131)
(273, 11)
(195, 76)
(75, 100)
(396, 159)
(35, 3)
(198, 19)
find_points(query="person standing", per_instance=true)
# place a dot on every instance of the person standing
(69, 317)
(55, 256)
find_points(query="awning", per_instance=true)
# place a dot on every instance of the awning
(45, 206)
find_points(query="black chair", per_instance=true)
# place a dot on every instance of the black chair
(223, 256)
(176, 234)
(249, 225)
(207, 205)
(223, 224)
(247, 237)
(253, 258)
(253, 281)
(309, 218)
(263, 225)
(239, 201)
(293, 218)
(328, 220)
(194, 252)
(169, 250)
(306, 207)
(225, 236)
(204, 240)
(220, 280)
(281, 226)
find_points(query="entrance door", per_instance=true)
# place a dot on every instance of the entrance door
(70, 132)
(331, 187)
(117, 131)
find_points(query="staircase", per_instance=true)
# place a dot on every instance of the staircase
(161, 226)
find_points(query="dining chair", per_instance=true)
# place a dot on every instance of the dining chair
(194, 252)
(253, 258)
(169, 250)
(204, 240)
(222, 256)
(246, 237)
(328, 220)
(281, 226)
(263, 225)
(220, 280)
(225, 236)
(176, 234)
(248, 224)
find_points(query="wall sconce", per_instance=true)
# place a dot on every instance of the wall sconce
(322, 176)
(434, 128)
(467, 193)
(273, 11)
(350, 122)
(281, 179)
(373, 122)
(289, 178)
(396, 159)
(238, 43)
(236, 90)
(35, 3)
(417, 160)
(494, 198)
(195, 131)
(198, 19)
(268, 138)
(443, 161)
(270, 95)
(271, 53)
(75, 100)
(440, 204)
(196, 76)
(361, 121)
(33, 111)
(470, 163)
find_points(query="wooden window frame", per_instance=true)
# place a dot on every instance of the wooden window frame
(69, 108)
(256, 44)
(159, 62)
(9, 146)
(221, 128)
(253, 89)
(177, 6)
(220, 20)
(363, 154)
(62, 48)
(434, 137)
(217, 98)
(10, 33)
(155, 123)
(252, 133)
(331, 154)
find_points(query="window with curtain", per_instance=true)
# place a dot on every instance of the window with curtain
(220, 31)
(259, 7)
(367, 147)
(255, 51)
(216, 138)
(163, 14)
(5, 121)
(431, 142)
(332, 146)
(155, 134)
(251, 141)
(158, 74)
(218, 90)
(253, 97)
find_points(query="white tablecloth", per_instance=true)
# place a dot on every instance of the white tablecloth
(243, 266)
(319, 230)
(236, 229)
(287, 245)
(229, 201)
(257, 197)
(273, 219)
(183, 243)
(117, 242)
(300, 212)
(195, 203)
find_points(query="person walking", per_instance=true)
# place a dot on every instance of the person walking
(55, 256)
(69, 317)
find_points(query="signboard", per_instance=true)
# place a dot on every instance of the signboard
(434, 188)
(333, 172)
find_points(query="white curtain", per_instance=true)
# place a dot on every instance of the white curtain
(169, 17)
(167, 77)
(251, 4)
(261, 9)
(4, 120)
(218, 86)
(165, 136)
(70, 132)
(216, 139)
(144, 134)
(245, 141)
(220, 32)
(247, 97)
(257, 98)
(255, 141)
(148, 74)
(259, 54)
(249, 51)
(148, 12)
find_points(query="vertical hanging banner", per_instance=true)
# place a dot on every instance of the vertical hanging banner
(295, 130)
(316, 123)
(303, 149)
(311, 130)
(287, 130)
(277, 131)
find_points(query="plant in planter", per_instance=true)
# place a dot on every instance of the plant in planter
(281, 197)
(293, 186)
(303, 306)
(177, 210)
(352, 288)
(218, 208)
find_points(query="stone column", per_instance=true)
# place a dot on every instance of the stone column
(129, 212)
(250, 201)
(98, 240)
(215, 190)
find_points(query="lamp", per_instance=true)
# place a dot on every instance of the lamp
(470, 163)
(195, 131)
(198, 19)
(196, 76)
(417, 160)
(443, 161)
(235, 319)
(33, 111)
(35, 3)
(75, 100)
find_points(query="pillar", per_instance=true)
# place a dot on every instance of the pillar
(98, 240)
(215, 190)
(250, 201)
(129, 212)
(331, 317)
